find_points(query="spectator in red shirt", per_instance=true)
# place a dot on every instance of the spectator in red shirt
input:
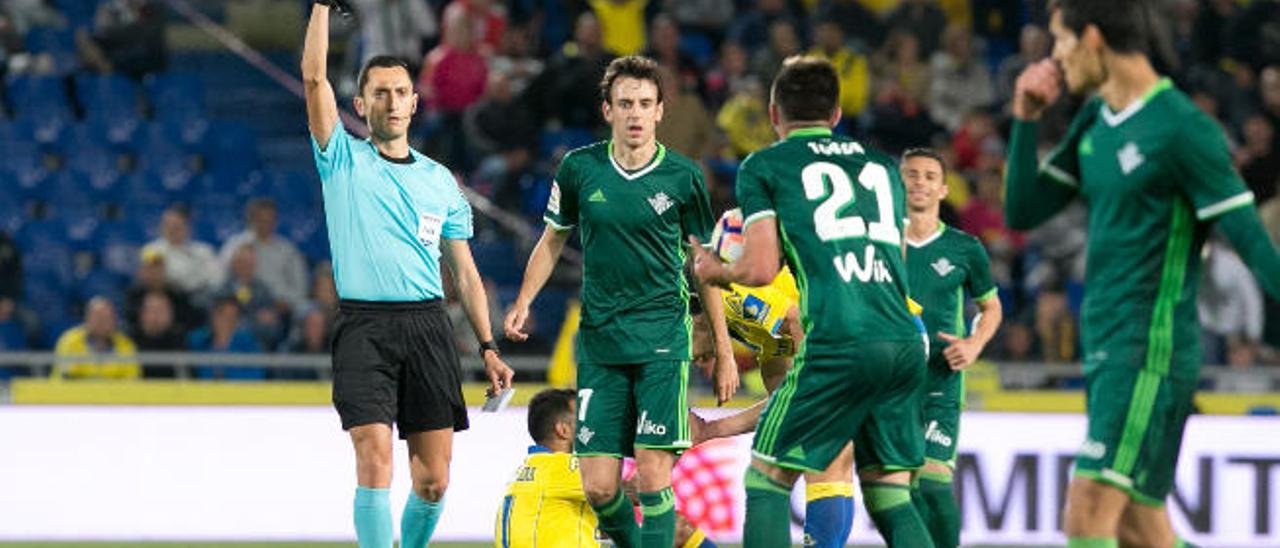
(487, 20)
(453, 77)
(983, 217)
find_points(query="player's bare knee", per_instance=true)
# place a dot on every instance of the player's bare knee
(779, 475)
(1145, 527)
(1093, 509)
(600, 495)
(431, 488)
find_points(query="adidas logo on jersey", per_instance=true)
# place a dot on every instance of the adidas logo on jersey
(585, 434)
(646, 426)
(1130, 157)
(661, 203)
(943, 266)
(597, 196)
(933, 434)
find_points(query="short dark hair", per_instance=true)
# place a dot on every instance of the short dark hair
(806, 89)
(1123, 24)
(925, 152)
(546, 409)
(631, 66)
(381, 61)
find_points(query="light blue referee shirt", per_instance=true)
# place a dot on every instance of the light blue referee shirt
(386, 219)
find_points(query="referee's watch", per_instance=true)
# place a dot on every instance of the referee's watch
(489, 345)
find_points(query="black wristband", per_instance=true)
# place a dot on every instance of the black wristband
(489, 345)
(341, 6)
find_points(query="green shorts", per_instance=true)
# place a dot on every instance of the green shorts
(621, 407)
(869, 395)
(943, 401)
(1136, 419)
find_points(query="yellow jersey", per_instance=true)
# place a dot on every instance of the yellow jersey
(545, 506)
(75, 342)
(755, 316)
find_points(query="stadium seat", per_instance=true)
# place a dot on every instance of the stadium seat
(11, 338)
(118, 245)
(176, 96)
(498, 260)
(46, 252)
(70, 203)
(699, 47)
(42, 102)
(111, 97)
(58, 44)
(101, 283)
(12, 213)
(231, 150)
(24, 163)
(295, 187)
(568, 138)
(162, 155)
(99, 165)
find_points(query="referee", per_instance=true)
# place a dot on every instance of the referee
(392, 213)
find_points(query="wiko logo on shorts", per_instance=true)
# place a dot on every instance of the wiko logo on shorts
(646, 426)
(933, 434)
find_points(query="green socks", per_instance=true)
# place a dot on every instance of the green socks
(890, 508)
(936, 503)
(618, 520)
(1092, 542)
(659, 528)
(768, 523)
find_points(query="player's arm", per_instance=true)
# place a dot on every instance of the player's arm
(322, 107)
(475, 302)
(542, 261)
(726, 374)
(759, 262)
(1032, 196)
(1243, 227)
(961, 353)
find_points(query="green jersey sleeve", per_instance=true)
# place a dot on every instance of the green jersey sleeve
(696, 218)
(753, 194)
(1208, 177)
(562, 206)
(979, 283)
(1062, 164)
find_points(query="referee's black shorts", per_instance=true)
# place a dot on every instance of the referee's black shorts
(396, 362)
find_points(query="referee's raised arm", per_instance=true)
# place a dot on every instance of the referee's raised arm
(322, 107)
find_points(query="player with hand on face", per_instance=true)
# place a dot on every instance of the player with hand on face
(1156, 175)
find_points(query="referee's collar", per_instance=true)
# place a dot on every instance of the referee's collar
(539, 449)
(406, 160)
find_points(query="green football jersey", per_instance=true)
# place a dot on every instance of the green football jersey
(840, 210)
(942, 270)
(1153, 176)
(635, 299)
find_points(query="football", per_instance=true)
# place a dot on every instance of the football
(726, 237)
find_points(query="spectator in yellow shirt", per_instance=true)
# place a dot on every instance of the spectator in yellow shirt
(622, 24)
(744, 118)
(98, 334)
(851, 66)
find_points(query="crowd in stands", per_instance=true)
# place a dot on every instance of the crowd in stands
(508, 87)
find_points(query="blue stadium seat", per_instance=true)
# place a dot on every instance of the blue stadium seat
(101, 283)
(12, 212)
(231, 150)
(569, 138)
(118, 244)
(70, 203)
(549, 311)
(499, 260)
(12, 131)
(11, 338)
(99, 165)
(166, 158)
(58, 44)
(176, 96)
(698, 46)
(46, 251)
(23, 161)
(295, 187)
(43, 102)
(109, 97)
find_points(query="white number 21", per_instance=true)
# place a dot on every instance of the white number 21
(826, 220)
